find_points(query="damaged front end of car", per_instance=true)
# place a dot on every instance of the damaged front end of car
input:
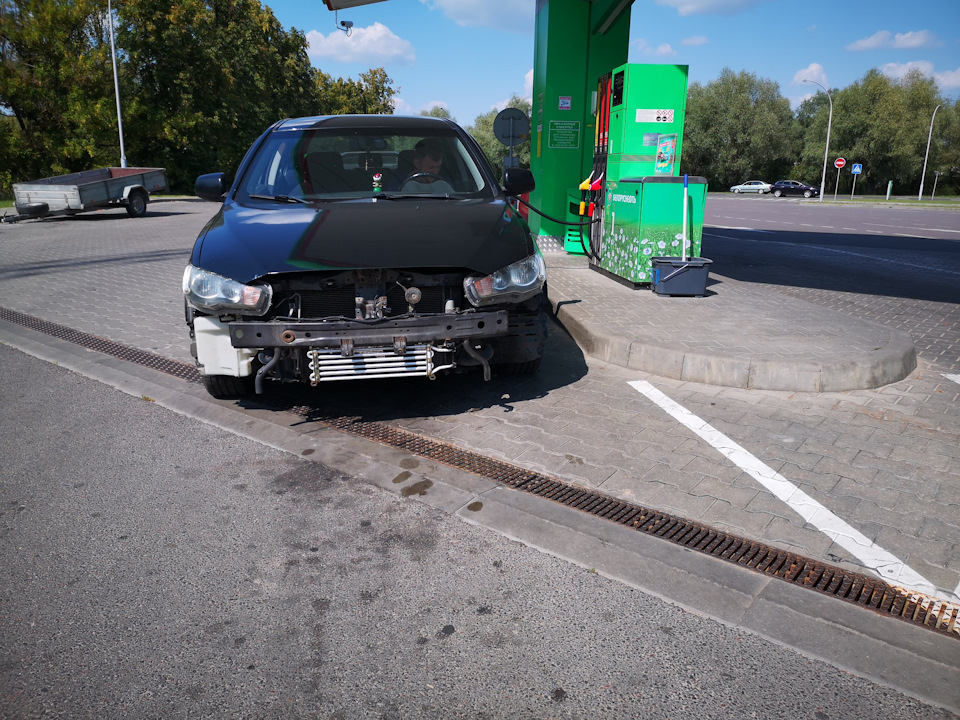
(363, 324)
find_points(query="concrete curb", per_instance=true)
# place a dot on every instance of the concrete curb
(610, 324)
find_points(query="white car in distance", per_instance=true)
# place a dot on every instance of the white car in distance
(755, 186)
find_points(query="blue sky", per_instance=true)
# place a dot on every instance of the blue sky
(472, 55)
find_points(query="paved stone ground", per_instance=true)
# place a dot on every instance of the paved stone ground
(887, 460)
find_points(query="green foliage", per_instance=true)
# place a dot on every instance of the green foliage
(482, 131)
(203, 79)
(438, 111)
(199, 81)
(372, 94)
(55, 79)
(879, 122)
(738, 128)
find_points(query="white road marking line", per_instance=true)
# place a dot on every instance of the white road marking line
(879, 561)
(735, 227)
(955, 378)
(913, 227)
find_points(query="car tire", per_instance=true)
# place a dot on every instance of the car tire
(528, 336)
(736, 191)
(227, 387)
(807, 193)
(137, 203)
(777, 193)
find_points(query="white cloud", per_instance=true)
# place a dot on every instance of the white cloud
(710, 7)
(644, 48)
(949, 79)
(813, 72)
(373, 45)
(695, 40)
(402, 107)
(945, 80)
(898, 71)
(910, 40)
(884, 39)
(510, 15)
(877, 40)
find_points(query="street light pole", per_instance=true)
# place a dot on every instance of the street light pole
(116, 85)
(826, 150)
(929, 136)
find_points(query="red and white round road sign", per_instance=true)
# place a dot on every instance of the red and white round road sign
(839, 163)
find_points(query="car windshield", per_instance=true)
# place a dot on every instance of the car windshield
(332, 164)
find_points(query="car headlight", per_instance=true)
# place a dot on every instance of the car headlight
(214, 293)
(514, 283)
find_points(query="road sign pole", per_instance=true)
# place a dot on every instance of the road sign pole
(853, 189)
(838, 163)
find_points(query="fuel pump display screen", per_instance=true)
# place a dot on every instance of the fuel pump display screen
(617, 92)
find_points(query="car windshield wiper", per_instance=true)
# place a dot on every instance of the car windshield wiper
(280, 198)
(414, 196)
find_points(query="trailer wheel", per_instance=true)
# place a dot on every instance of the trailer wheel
(32, 210)
(137, 203)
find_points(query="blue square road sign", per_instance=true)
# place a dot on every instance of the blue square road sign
(856, 168)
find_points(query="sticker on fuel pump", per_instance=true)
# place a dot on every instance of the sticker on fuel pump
(657, 116)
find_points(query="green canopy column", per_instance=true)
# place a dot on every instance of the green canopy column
(577, 41)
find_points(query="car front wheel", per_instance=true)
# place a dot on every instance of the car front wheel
(736, 191)
(807, 193)
(777, 193)
(227, 387)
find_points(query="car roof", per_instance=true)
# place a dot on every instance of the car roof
(401, 122)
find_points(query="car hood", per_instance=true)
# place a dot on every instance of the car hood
(260, 238)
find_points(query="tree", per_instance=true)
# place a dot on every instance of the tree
(482, 131)
(204, 78)
(55, 80)
(738, 127)
(883, 125)
(438, 111)
(372, 94)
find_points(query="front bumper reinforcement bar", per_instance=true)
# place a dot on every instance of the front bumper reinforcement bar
(425, 329)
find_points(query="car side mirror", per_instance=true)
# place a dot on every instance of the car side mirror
(210, 187)
(517, 181)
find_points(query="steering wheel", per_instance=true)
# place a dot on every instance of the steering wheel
(416, 175)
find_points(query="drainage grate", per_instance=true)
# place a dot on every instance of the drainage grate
(107, 347)
(864, 590)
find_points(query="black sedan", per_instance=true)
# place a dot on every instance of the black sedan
(793, 187)
(358, 247)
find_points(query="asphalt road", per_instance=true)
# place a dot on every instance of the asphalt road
(160, 566)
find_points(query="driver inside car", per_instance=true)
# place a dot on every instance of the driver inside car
(427, 163)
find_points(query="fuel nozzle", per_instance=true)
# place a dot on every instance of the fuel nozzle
(596, 188)
(584, 189)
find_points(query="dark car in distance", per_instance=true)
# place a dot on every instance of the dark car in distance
(793, 187)
(356, 247)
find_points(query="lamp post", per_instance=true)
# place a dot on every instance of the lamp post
(116, 85)
(826, 150)
(929, 136)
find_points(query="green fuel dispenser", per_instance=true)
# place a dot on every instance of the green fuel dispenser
(647, 209)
